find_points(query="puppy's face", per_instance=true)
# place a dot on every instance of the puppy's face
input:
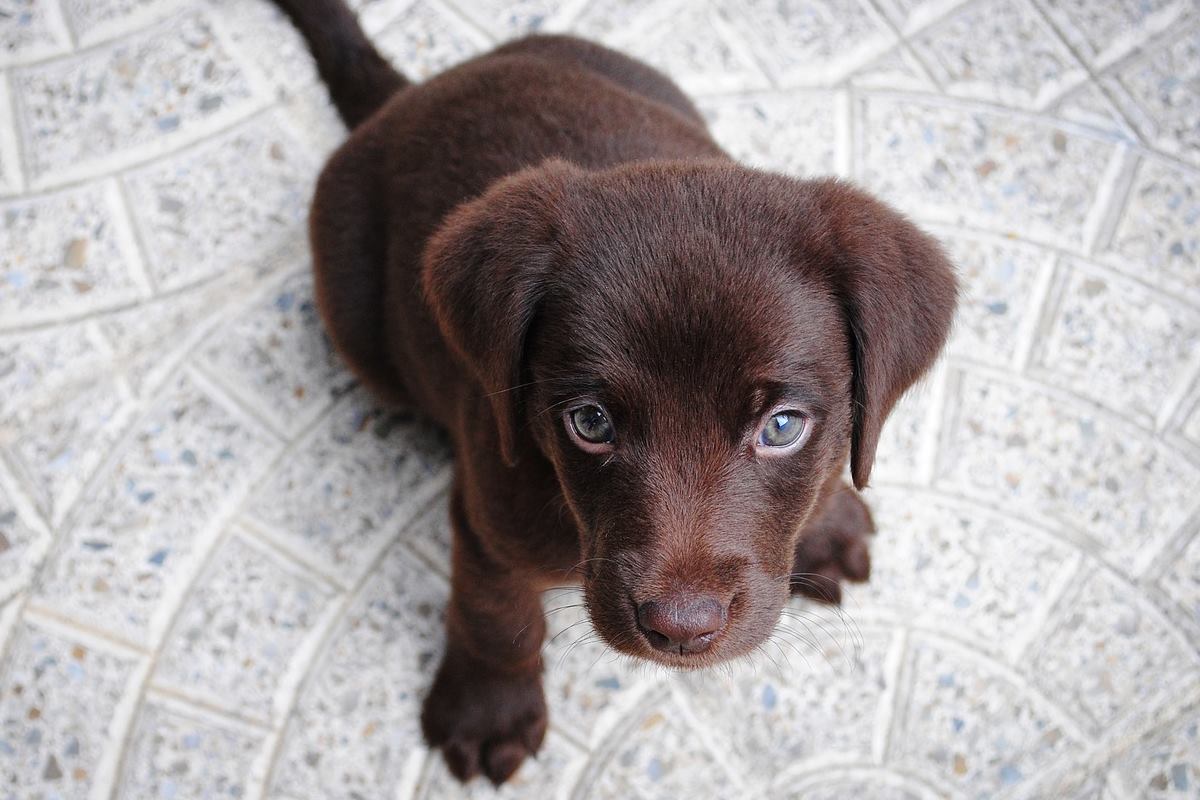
(693, 394)
(695, 348)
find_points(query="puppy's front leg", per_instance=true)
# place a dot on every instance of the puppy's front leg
(486, 710)
(834, 546)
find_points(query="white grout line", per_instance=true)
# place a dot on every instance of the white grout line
(140, 158)
(566, 16)
(1065, 579)
(935, 413)
(261, 86)
(1109, 200)
(918, 24)
(729, 34)
(844, 104)
(1056, 29)
(287, 689)
(947, 423)
(60, 33)
(125, 161)
(138, 19)
(857, 114)
(185, 706)
(10, 616)
(217, 392)
(1155, 561)
(10, 146)
(459, 12)
(814, 773)
(268, 538)
(416, 768)
(703, 734)
(36, 551)
(63, 21)
(900, 669)
(886, 720)
(234, 397)
(129, 236)
(650, 695)
(1044, 298)
(62, 625)
(185, 699)
(1175, 401)
(24, 503)
(206, 543)
(120, 729)
(259, 774)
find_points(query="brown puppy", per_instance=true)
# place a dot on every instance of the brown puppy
(654, 363)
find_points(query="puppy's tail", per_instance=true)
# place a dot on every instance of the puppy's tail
(358, 77)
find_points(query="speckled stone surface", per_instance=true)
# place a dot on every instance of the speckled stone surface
(223, 567)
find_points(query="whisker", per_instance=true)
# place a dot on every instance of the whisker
(564, 630)
(787, 659)
(585, 561)
(758, 648)
(804, 620)
(561, 608)
(525, 385)
(849, 625)
(560, 590)
(783, 633)
(587, 638)
(606, 649)
(848, 621)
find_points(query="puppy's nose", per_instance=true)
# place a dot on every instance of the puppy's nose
(682, 624)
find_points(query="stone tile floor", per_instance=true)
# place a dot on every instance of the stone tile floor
(222, 568)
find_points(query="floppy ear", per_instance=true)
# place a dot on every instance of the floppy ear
(898, 291)
(484, 271)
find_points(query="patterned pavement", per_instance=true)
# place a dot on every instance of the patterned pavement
(222, 569)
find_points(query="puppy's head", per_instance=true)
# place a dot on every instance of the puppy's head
(696, 349)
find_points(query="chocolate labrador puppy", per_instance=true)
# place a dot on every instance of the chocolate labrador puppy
(654, 362)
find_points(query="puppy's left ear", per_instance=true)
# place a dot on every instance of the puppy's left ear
(897, 289)
(484, 272)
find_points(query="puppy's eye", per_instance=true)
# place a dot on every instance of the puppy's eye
(591, 425)
(783, 429)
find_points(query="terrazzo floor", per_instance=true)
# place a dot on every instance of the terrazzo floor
(222, 568)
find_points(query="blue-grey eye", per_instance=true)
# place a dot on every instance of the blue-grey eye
(592, 424)
(783, 428)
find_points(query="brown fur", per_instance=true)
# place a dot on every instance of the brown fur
(550, 224)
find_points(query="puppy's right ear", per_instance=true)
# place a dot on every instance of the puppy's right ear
(484, 272)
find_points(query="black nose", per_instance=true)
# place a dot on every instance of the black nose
(682, 624)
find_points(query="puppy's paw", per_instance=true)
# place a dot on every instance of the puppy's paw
(833, 547)
(483, 721)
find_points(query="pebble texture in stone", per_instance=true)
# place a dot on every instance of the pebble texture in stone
(65, 254)
(249, 611)
(223, 567)
(971, 53)
(158, 87)
(58, 695)
(196, 223)
(180, 752)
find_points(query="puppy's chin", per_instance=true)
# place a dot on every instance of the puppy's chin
(752, 618)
